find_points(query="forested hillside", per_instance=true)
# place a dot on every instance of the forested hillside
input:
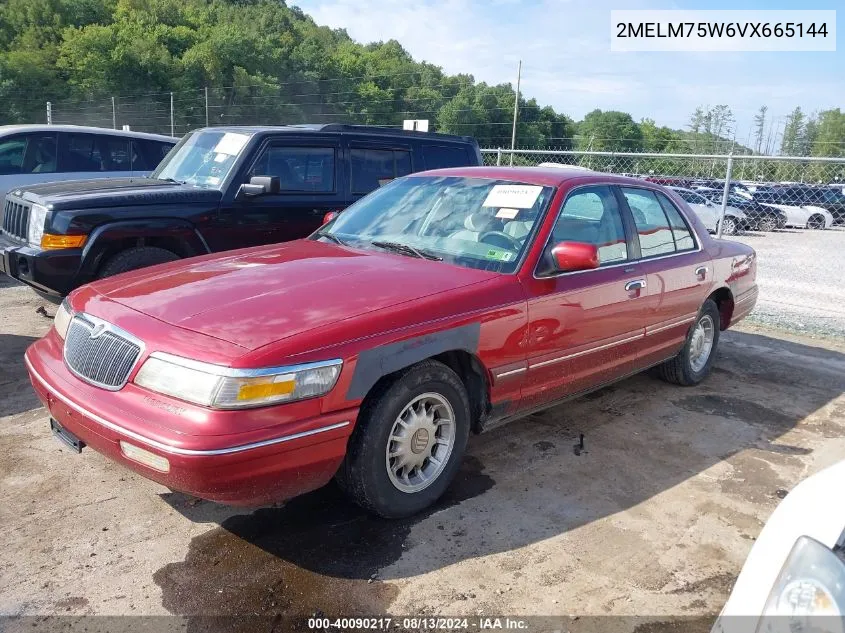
(261, 61)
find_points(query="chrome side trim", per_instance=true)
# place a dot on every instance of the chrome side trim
(175, 450)
(676, 323)
(746, 297)
(510, 372)
(229, 372)
(586, 351)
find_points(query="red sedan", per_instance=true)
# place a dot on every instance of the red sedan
(444, 303)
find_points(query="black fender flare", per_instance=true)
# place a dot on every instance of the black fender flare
(101, 240)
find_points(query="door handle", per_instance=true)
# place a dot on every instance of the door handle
(637, 284)
(701, 272)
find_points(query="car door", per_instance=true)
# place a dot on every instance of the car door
(309, 177)
(678, 272)
(585, 327)
(27, 159)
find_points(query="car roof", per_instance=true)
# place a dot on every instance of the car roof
(685, 189)
(341, 128)
(15, 129)
(545, 176)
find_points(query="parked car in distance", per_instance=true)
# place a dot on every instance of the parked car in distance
(800, 203)
(758, 217)
(442, 303)
(709, 213)
(32, 154)
(794, 576)
(222, 188)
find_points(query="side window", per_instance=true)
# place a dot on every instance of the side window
(146, 155)
(439, 156)
(11, 155)
(372, 168)
(592, 215)
(656, 237)
(40, 155)
(80, 153)
(680, 230)
(298, 168)
(114, 153)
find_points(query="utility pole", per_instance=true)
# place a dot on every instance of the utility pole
(113, 114)
(515, 109)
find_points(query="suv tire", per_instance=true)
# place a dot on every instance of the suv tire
(135, 258)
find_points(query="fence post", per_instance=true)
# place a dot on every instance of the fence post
(206, 106)
(172, 131)
(499, 157)
(725, 195)
(49, 113)
(113, 115)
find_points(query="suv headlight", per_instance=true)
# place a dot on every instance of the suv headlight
(37, 219)
(62, 319)
(225, 388)
(810, 585)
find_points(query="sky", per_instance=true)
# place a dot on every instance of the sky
(564, 46)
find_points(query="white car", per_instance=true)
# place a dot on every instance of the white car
(709, 212)
(31, 154)
(796, 202)
(795, 573)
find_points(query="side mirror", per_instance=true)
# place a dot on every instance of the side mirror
(260, 185)
(569, 256)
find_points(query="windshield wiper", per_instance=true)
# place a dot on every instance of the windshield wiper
(333, 238)
(407, 249)
(173, 180)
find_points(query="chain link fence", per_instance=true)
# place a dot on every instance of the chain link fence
(763, 193)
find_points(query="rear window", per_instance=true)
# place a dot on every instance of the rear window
(440, 156)
(373, 168)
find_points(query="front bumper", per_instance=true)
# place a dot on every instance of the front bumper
(255, 468)
(52, 273)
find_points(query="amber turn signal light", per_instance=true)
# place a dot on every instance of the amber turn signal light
(62, 241)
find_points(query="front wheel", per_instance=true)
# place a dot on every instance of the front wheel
(135, 258)
(729, 227)
(693, 362)
(409, 441)
(768, 224)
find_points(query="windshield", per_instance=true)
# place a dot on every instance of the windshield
(202, 158)
(472, 222)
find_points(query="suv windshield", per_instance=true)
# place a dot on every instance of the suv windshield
(202, 158)
(472, 222)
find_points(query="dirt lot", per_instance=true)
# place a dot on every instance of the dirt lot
(654, 518)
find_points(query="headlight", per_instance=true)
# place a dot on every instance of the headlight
(224, 388)
(810, 585)
(37, 218)
(62, 319)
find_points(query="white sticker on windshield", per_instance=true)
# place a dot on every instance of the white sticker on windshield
(221, 158)
(507, 214)
(515, 196)
(231, 143)
(213, 181)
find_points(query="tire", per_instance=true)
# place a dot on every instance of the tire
(816, 222)
(729, 227)
(768, 224)
(135, 258)
(682, 369)
(365, 474)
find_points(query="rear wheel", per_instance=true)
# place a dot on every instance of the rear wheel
(816, 222)
(693, 362)
(134, 258)
(768, 223)
(409, 441)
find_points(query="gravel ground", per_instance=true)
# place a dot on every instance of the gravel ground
(802, 285)
(654, 518)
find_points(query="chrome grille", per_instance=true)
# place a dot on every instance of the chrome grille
(15, 218)
(100, 353)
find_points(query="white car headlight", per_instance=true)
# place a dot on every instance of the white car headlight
(37, 219)
(225, 388)
(810, 585)
(62, 319)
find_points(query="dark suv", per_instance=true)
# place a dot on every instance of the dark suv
(219, 189)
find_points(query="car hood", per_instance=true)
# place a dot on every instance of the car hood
(258, 296)
(112, 192)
